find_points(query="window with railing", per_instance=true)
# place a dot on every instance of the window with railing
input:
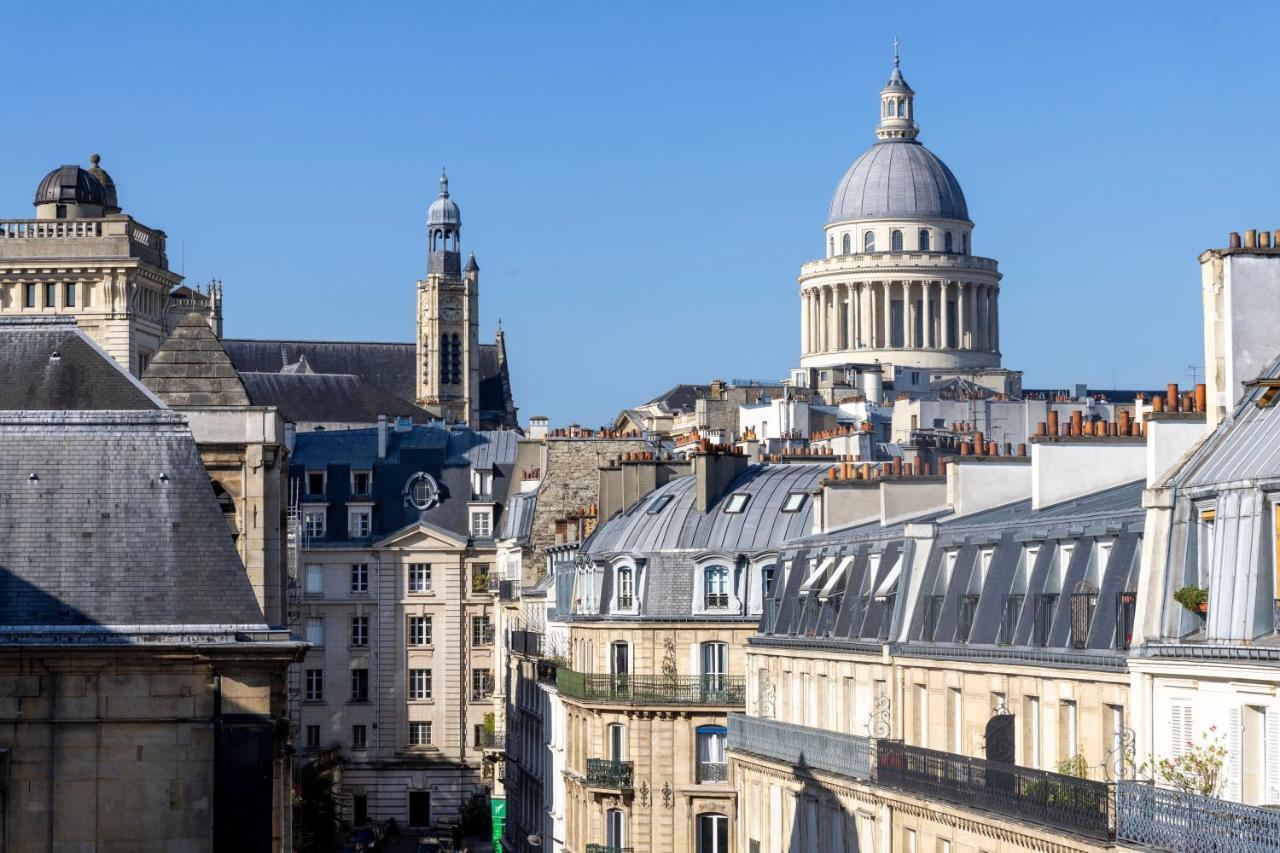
(608, 773)
(724, 690)
(1010, 610)
(481, 684)
(1126, 604)
(713, 767)
(716, 587)
(968, 610)
(1046, 603)
(480, 578)
(626, 588)
(1083, 604)
(932, 613)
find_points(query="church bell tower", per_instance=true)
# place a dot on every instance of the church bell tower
(448, 318)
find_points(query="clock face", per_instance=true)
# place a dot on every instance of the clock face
(451, 315)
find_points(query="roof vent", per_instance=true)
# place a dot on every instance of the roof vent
(55, 356)
(33, 477)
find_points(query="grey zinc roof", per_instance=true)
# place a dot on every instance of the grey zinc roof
(1116, 502)
(1245, 447)
(108, 518)
(327, 397)
(898, 177)
(679, 526)
(48, 364)
(191, 368)
(517, 519)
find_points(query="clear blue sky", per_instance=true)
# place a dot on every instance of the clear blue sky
(641, 182)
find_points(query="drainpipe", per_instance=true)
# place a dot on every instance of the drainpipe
(51, 755)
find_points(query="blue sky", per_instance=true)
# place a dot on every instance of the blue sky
(640, 183)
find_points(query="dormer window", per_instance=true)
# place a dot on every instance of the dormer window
(361, 483)
(660, 504)
(736, 503)
(315, 483)
(626, 588)
(481, 482)
(716, 587)
(794, 502)
(481, 523)
(421, 492)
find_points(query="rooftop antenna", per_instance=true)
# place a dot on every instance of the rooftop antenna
(1195, 370)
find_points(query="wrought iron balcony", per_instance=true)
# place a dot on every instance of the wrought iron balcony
(1158, 819)
(801, 746)
(607, 848)
(480, 583)
(603, 773)
(712, 771)
(1080, 806)
(653, 689)
(525, 643)
(489, 739)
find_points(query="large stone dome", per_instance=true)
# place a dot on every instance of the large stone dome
(898, 178)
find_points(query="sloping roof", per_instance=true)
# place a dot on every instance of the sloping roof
(390, 366)
(898, 177)
(48, 364)
(327, 397)
(517, 521)
(1244, 447)
(679, 398)
(192, 369)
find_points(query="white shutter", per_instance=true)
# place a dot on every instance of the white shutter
(1180, 728)
(1272, 748)
(1231, 789)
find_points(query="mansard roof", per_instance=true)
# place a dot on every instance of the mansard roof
(48, 364)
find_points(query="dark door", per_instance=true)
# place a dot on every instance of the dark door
(419, 808)
(359, 810)
(242, 785)
(1001, 738)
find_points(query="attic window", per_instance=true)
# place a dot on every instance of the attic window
(315, 483)
(660, 504)
(421, 491)
(794, 502)
(737, 502)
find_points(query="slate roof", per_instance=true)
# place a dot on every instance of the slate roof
(679, 398)
(898, 178)
(49, 364)
(517, 521)
(1244, 447)
(192, 369)
(327, 397)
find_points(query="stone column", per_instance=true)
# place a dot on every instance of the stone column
(804, 322)
(908, 317)
(944, 315)
(975, 334)
(886, 308)
(981, 307)
(995, 318)
(928, 342)
(851, 318)
(962, 315)
(864, 295)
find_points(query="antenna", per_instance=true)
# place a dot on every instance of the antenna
(1195, 370)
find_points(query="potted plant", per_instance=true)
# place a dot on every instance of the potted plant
(1195, 598)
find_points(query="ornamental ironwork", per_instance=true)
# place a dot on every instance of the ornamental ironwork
(1156, 818)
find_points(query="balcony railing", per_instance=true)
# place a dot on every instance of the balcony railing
(652, 689)
(486, 739)
(604, 773)
(525, 643)
(1076, 805)
(801, 746)
(712, 771)
(607, 848)
(480, 583)
(1158, 819)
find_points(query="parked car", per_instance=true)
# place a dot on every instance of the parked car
(366, 838)
(429, 844)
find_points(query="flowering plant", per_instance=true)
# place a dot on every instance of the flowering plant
(1197, 771)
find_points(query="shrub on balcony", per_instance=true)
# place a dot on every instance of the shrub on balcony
(1193, 598)
(1197, 771)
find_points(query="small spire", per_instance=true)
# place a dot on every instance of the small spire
(444, 183)
(95, 160)
(895, 51)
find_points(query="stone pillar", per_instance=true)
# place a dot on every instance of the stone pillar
(887, 311)
(981, 307)
(851, 319)
(908, 317)
(927, 309)
(975, 334)
(867, 318)
(944, 315)
(962, 316)
(995, 318)
(804, 322)
(826, 319)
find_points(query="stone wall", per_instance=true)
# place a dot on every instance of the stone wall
(571, 479)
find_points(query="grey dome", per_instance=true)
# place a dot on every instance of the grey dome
(898, 178)
(70, 185)
(443, 210)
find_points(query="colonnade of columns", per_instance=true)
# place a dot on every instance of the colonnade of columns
(929, 314)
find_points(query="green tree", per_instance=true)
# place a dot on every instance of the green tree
(315, 811)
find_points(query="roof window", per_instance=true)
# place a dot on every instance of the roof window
(794, 502)
(660, 504)
(737, 502)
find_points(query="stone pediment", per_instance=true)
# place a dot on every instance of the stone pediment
(423, 536)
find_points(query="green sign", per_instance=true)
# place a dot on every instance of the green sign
(498, 813)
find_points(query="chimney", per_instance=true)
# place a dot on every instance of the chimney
(714, 473)
(538, 427)
(974, 485)
(382, 436)
(1062, 470)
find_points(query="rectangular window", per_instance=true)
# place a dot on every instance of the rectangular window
(315, 580)
(315, 630)
(360, 523)
(313, 523)
(362, 483)
(481, 684)
(736, 503)
(359, 685)
(716, 587)
(794, 502)
(359, 737)
(29, 296)
(480, 523)
(419, 577)
(419, 734)
(315, 483)
(626, 589)
(1070, 734)
(419, 630)
(481, 631)
(956, 721)
(70, 295)
(314, 685)
(712, 764)
(1033, 731)
(360, 577)
(419, 684)
(359, 630)
(922, 716)
(51, 295)
(313, 737)
(659, 504)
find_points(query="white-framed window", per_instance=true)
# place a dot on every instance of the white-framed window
(419, 684)
(626, 588)
(659, 504)
(314, 685)
(362, 483)
(615, 828)
(481, 631)
(419, 734)
(359, 577)
(617, 742)
(480, 522)
(359, 737)
(1034, 759)
(359, 523)
(315, 631)
(422, 492)
(713, 833)
(715, 585)
(419, 630)
(315, 580)
(715, 665)
(359, 630)
(481, 481)
(313, 523)
(712, 764)
(736, 503)
(481, 684)
(419, 577)
(620, 657)
(1070, 729)
(794, 502)
(315, 484)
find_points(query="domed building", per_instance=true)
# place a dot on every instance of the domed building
(899, 284)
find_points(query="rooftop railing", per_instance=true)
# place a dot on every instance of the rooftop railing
(143, 242)
(801, 746)
(1159, 819)
(607, 848)
(525, 642)
(653, 689)
(1079, 806)
(605, 773)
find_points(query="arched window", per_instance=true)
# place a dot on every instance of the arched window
(924, 240)
(844, 245)
(964, 243)
(455, 367)
(626, 588)
(895, 241)
(902, 109)
(869, 241)
(946, 242)
(444, 359)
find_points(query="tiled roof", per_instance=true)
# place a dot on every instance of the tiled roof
(49, 364)
(328, 398)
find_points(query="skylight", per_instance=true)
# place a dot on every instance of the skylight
(659, 505)
(737, 502)
(794, 502)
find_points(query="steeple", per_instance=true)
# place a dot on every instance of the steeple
(444, 230)
(897, 105)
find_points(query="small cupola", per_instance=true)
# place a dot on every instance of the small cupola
(897, 105)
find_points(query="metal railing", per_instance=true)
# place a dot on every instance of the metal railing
(606, 848)
(801, 746)
(525, 643)
(653, 689)
(1081, 806)
(605, 773)
(488, 739)
(480, 583)
(1159, 819)
(713, 771)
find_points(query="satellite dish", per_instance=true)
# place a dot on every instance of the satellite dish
(534, 840)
